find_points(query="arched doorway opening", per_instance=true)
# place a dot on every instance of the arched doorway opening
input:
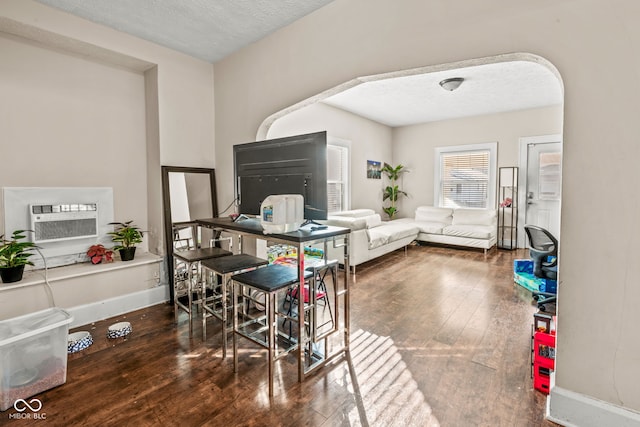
(504, 99)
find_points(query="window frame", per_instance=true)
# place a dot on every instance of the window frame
(346, 163)
(490, 147)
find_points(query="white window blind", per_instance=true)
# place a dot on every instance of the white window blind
(337, 181)
(465, 177)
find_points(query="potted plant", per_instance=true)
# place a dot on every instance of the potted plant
(126, 236)
(98, 253)
(392, 192)
(14, 255)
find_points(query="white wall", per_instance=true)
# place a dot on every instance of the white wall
(413, 146)
(91, 106)
(593, 44)
(369, 141)
(69, 122)
(178, 91)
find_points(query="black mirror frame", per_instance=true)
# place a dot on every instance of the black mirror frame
(166, 202)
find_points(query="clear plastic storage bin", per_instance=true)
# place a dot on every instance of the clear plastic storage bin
(33, 354)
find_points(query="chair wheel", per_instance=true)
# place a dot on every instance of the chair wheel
(542, 307)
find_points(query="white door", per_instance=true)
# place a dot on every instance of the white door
(544, 184)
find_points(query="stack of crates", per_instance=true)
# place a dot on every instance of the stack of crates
(544, 355)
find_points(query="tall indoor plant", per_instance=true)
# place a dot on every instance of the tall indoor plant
(14, 255)
(126, 236)
(392, 192)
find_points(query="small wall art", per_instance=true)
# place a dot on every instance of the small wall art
(374, 169)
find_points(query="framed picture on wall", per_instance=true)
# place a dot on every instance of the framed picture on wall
(374, 169)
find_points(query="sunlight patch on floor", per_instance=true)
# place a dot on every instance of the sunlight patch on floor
(386, 393)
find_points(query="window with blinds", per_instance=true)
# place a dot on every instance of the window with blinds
(337, 181)
(465, 177)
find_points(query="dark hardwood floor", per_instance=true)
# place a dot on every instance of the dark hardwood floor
(440, 337)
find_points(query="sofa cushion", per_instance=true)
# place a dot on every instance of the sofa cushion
(355, 213)
(347, 222)
(402, 232)
(430, 227)
(463, 216)
(396, 230)
(434, 214)
(373, 220)
(471, 231)
(377, 237)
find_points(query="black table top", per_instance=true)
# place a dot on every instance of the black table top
(253, 226)
(271, 278)
(195, 255)
(229, 264)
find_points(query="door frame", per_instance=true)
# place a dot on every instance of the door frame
(524, 142)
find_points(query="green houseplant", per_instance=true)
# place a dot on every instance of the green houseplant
(14, 255)
(126, 236)
(391, 191)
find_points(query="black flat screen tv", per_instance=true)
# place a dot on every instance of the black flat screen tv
(290, 165)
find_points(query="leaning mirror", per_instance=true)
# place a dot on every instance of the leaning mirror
(188, 194)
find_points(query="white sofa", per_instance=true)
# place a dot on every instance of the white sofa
(475, 228)
(371, 237)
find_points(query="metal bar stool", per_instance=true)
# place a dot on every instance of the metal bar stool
(317, 324)
(262, 328)
(187, 279)
(320, 272)
(218, 272)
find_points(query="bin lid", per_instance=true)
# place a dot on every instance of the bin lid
(28, 325)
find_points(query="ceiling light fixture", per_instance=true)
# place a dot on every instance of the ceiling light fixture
(452, 83)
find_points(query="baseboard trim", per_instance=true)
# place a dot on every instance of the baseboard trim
(570, 409)
(89, 313)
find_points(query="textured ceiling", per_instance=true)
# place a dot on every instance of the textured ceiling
(205, 29)
(212, 29)
(487, 89)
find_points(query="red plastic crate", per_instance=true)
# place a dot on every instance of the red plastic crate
(544, 354)
(542, 378)
(544, 349)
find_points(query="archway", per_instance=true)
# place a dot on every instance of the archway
(511, 57)
(509, 140)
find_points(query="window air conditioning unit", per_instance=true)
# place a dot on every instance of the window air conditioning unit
(52, 223)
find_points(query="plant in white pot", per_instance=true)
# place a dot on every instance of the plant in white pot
(14, 255)
(126, 236)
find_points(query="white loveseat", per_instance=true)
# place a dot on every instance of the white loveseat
(475, 228)
(371, 237)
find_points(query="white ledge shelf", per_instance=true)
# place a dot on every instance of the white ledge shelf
(36, 277)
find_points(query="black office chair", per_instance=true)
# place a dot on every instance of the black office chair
(543, 249)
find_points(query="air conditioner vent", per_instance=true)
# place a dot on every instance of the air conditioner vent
(59, 222)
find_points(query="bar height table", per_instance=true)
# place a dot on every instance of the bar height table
(304, 236)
